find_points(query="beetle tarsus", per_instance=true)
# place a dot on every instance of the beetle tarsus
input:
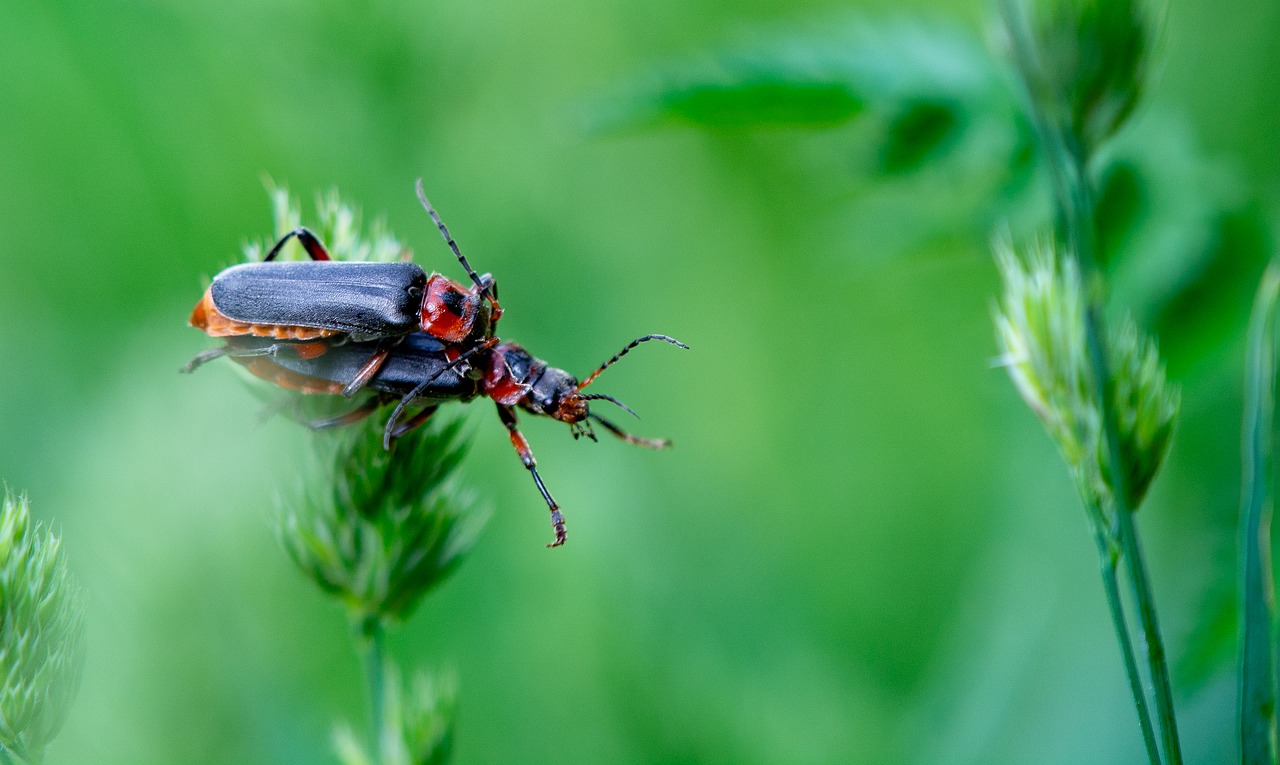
(557, 523)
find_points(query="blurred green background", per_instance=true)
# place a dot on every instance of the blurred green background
(862, 548)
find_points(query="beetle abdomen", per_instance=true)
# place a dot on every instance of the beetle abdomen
(207, 318)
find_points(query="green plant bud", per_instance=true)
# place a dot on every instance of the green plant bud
(1040, 327)
(375, 528)
(41, 632)
(417, 726)
(1089, 62)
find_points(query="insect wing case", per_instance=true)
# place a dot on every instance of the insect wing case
(364, 300)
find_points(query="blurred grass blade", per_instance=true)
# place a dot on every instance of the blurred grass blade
(1257, 667)
(773, 99)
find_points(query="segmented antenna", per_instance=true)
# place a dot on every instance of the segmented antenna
(612, 400)
(648, 443)
(592, 377)
(484, 288)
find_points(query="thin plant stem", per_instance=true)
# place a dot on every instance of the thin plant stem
(372, 634)
(1257, 665)
(1156, 661)
(1110, 584)
(5, 757)
(1083, 234)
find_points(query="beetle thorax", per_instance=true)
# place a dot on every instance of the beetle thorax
(452, 313)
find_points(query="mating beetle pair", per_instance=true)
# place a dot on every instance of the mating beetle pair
(331, 327)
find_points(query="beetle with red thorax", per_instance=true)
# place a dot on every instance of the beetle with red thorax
(323, 299)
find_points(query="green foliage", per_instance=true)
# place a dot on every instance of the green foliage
(1040, 326)
(921, 84)
(41, 632)
(417, 726)
(377, 529)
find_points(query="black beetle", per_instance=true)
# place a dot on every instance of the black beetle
(356, 301)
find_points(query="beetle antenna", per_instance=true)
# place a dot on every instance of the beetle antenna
(484, 288)
(411, 395)
(648, 443)
(592, 377)
(612, 400)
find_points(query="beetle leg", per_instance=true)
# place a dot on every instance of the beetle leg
(366, 372)
(415, 421)
(205, 356)
(308, 241)
(202, 358)
(648, 443)
(350, 418)
(508, 417)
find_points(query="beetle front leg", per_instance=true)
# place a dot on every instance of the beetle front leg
(308, 240)
(508, 417)
(304, 350)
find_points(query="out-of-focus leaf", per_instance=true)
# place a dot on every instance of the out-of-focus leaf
(818, 80)
(762, 102)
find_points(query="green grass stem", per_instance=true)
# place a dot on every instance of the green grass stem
(372, 635)
(1068, 165)
(1257, 662)
(1110, 583)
